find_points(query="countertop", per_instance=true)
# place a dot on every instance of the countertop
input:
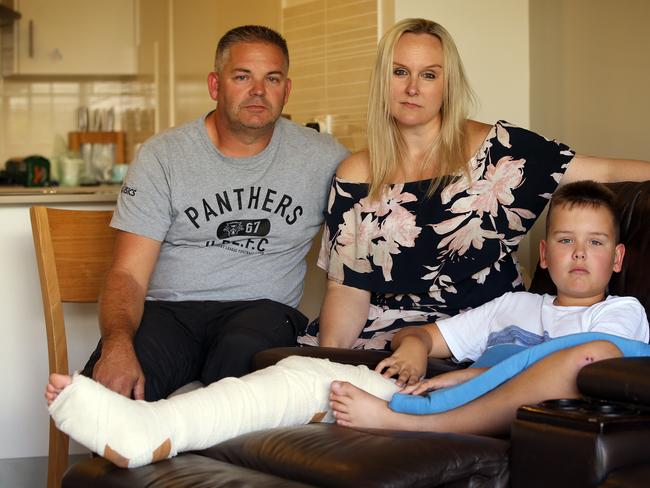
(58, 194)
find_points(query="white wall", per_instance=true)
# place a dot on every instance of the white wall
(591, 60)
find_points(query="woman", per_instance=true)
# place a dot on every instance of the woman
(425, 222)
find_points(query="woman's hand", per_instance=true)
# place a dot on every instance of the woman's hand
(408, 362)
(444, 380)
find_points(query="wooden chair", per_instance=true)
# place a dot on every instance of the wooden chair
(74, 249)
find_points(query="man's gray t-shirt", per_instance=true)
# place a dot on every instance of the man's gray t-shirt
(231, 228)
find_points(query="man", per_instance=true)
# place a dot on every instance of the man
(215, 218)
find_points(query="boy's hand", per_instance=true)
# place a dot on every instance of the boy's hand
(408, 363)
(444, 380)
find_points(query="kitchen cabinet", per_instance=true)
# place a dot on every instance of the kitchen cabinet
(73, 37)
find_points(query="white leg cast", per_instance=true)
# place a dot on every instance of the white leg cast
(127, 432)
(133, 433)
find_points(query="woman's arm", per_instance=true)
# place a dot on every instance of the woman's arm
(343, 314)
(606, 170)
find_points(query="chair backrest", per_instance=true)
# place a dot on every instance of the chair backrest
(74, 249)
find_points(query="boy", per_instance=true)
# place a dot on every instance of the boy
(581, 251)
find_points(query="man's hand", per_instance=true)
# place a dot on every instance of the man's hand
(121, 306)
(408, 362)
(444, 380)
(118, 369)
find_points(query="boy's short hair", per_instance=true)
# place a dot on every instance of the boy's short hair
(585, 193)
(248, 33)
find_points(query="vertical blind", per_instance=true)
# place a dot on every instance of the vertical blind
(332, 44)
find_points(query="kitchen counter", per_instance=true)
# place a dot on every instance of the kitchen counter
(59, 194)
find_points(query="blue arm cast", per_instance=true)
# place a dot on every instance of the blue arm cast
(439, 401)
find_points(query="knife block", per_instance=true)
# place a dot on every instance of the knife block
(76, 139)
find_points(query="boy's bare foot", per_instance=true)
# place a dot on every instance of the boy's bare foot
(56, 385)
(353, 407)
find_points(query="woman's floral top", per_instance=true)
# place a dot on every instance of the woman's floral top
(428, 258)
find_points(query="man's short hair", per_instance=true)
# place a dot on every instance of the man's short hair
(585, 193)
(248, 33)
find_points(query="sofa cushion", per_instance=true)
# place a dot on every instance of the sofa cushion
(184, 471)
(331, 456)
(634, 200)
(631, 477)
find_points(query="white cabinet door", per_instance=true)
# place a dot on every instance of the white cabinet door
(76, 37)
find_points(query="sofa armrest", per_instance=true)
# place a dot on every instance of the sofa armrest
(621, 380)
(345, 356)
(587, 441)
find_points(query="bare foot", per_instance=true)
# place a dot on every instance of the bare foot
(56, 385)
(353, 407)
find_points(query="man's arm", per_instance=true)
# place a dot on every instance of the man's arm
(411, 347)
(120, 310)
(343, 314)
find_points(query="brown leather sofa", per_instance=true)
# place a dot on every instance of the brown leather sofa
(602, 440)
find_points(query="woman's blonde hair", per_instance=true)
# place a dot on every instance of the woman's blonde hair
(386, 146)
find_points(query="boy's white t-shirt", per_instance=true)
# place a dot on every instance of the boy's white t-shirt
(529, 319)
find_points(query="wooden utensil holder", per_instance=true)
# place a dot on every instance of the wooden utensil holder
(76, 139)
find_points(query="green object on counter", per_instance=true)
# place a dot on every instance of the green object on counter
(37, 171)
(30, 171)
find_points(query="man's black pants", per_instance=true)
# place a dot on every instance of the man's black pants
(181, 342)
